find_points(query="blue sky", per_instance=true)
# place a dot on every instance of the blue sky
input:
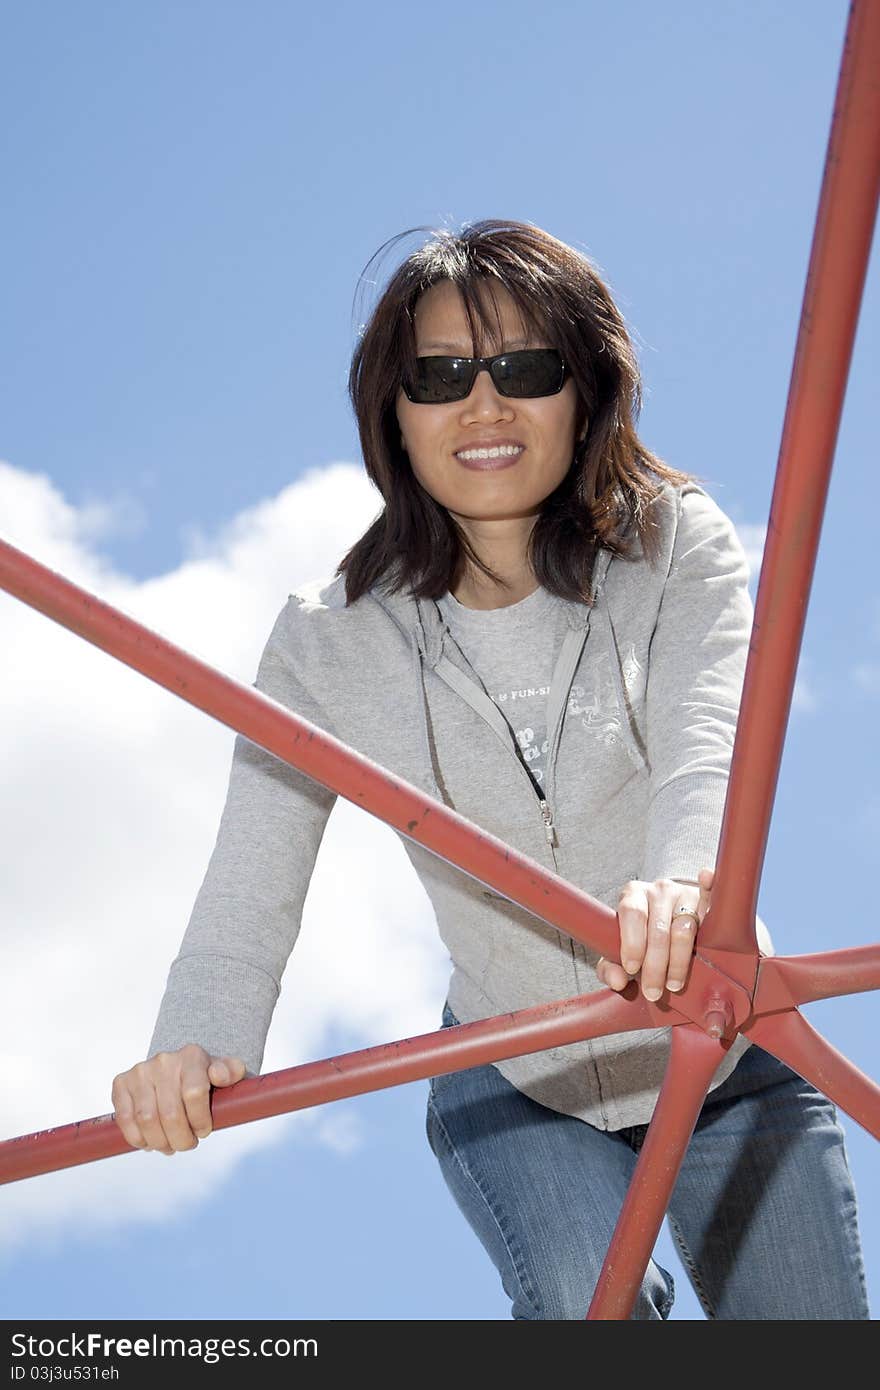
(192, 192)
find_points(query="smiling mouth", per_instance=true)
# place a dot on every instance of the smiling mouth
(499, 457)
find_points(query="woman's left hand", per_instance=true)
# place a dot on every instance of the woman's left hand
(651, 939)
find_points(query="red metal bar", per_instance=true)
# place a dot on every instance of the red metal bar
(797, 1043)
(835, 281)
(784, 981)
(354, 1073)
(693, 1060)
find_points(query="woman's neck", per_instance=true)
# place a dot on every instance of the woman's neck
(504, 550)
(480, 592)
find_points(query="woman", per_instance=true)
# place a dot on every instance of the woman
(546, 628)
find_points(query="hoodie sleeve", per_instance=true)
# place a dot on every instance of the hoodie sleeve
(696, 666)
(223, 984)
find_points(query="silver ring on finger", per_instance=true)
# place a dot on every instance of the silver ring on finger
(686, 912)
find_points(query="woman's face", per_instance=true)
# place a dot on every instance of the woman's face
(432, 434)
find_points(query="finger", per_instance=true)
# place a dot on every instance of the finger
(172, 1114)
(682, 935)
(195, 1088)
(612, 974)
(146, 1109)
(195, 1094)
(655, 966)
(226, 1071)
(632, 915)
(123, 1114)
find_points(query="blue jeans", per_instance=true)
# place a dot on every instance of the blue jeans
(763, 1213)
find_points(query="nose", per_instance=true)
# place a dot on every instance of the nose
(485, 397)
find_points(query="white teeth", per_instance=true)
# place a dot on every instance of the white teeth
(504, 451)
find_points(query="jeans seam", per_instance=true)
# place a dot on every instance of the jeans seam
(516, 1263)
(691, 1266)
(851, 1218)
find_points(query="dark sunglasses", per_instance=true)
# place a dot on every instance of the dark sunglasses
(532, 372)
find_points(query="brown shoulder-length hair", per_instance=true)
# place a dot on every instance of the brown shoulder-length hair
(613, 478)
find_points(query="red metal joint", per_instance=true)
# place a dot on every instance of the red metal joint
(718, 1015)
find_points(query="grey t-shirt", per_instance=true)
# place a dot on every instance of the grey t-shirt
(512, 652)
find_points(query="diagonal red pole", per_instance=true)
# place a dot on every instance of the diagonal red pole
(354, 1073)
(693, 1060)
(797, 1043)
(787, 980)
(829, 315)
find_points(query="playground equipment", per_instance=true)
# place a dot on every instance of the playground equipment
(732, 988)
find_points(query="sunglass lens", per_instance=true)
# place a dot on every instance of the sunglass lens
(530, 373)
(441, 379)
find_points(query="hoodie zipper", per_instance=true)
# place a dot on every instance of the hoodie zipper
(546, 811)
(550, 834)
(549, 827)
(485, 706)
(563, 675)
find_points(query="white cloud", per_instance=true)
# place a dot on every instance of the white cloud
(112, 792)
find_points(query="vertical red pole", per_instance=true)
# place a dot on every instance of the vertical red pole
(829, 315)
(693, 1059)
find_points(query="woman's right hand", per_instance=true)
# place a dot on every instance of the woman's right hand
(165, 1103)
(646, 942)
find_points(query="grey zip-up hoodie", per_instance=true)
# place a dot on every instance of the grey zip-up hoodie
(636, 793)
